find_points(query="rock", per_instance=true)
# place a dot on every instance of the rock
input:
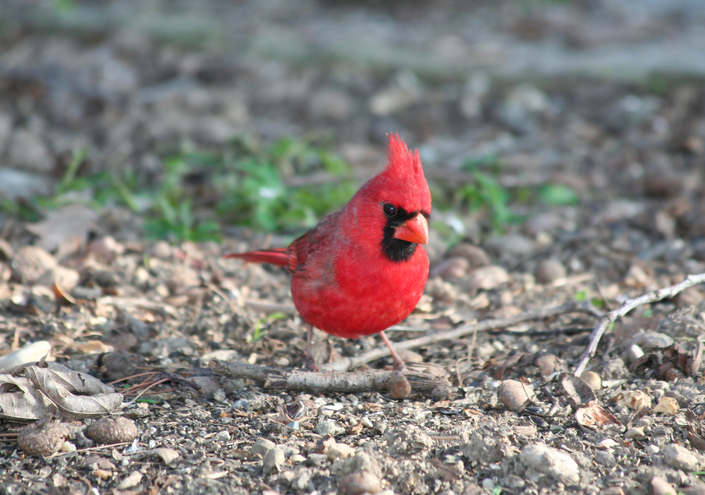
(262, 446)
(592, 380)
(515, 245)
(679, 457)
(273, 460)
(487, 278)
(551, 462)
(404, 91)
(327, 427)
(475, 256)
(105, 249)
(549, 270)
(660, 486)
(359, 483)
(340, 451)
(112, 429)
(515, 395)
(31, 263)
(635, 399)
(667, 405)
(451, 269)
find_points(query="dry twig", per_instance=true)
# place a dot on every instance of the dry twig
(463, 330)
(398, 384)
(626, 307)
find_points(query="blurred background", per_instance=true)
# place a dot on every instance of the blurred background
(192, 120)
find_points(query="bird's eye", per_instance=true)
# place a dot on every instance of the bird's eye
(389, 209)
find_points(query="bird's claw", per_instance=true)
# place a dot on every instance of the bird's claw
(310, 364)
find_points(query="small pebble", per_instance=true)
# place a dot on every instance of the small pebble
(652, 449)
(660, 486)
(667, 405)
(475, 256)
(551, 462)
(515, 395)
(635, 434)
(548, 271)
(635, 399)
(451, 269)
(679, 457)
(359, 483)
(592, 380)
(327, 427)
(262, 446)
(488, 277)
(273, 460)
(340, 451)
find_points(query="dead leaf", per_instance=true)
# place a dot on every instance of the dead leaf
(64, 227)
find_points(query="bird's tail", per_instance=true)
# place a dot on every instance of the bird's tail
(275, 256)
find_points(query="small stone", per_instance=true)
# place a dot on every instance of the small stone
(44, 440)
(679, 457)
(262, 446)
(634, 352)
(635, 434)
(515, 395)
(451, 269)
(32, 263)
(161, 250)
(512, 245)
(297, 459)
(340, 451)
(551, 462)
(399, 386)
(112, 429)
(592, 380)
(652, 449)
(660, 486)
(273, 460)
(410, 357)
(635, 399)
(488, 277)
(667, 405)
(548, 271)
(327, 427)
(302, 482)
(475, 256)
(222, 436)
(359, 483)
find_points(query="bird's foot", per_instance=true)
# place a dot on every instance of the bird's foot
(310, 364)
(399, 366)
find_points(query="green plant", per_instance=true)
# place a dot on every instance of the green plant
(259, 330)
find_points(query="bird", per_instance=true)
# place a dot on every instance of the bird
(364, 268)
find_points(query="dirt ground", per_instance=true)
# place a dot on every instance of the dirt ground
(589, 117)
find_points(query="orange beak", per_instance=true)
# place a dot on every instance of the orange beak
(413, 230)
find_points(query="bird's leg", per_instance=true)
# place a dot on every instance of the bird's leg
(398, 363)
(310, 363)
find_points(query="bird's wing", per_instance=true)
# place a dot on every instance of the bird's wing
(309, 249)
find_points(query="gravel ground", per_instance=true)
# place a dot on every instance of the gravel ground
(512, 418)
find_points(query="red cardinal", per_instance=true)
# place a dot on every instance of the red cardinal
(361, 270)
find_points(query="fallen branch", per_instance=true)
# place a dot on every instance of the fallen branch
(461, 331)
(399, 384)
(626, 307)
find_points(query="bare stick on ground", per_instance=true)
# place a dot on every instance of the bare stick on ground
(399, 384)
(461, 331)
(611, 317)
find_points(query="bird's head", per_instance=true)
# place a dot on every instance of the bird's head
(394, 206)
